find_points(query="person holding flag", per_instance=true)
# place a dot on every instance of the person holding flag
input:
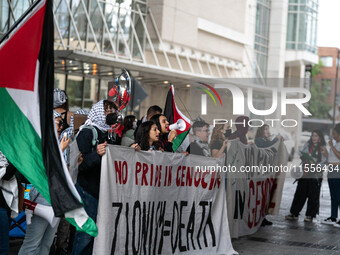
(173, 116)
(26, 93)
(166, 136)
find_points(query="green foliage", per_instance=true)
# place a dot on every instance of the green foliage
(317, 69)
(319, 92)
(318, 106)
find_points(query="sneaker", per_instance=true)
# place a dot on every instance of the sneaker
(308, 219)
(292, 217)
(329, 221)
(337, 224)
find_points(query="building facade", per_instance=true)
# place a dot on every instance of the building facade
(179, 42)
(329, 57)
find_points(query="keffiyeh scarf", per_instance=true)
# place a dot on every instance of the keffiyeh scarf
(59, 97)
(97, 117)
(203, 145)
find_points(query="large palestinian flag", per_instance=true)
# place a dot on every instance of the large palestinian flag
(173, 114)
(27, 129)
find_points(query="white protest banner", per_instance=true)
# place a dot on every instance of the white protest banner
(255, 188)
(157, 203)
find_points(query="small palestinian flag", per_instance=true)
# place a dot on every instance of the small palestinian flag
(173, 114)
(27, 130)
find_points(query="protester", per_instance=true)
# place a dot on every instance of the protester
(164, 143)
(66, 232)
(9, 202)
(60, 105)
(89, 170)
(313, 152)
(219, 141)
(149, 135)
(262, 137)
(153, 110)
(334, 177)
(241, 129)
(40, 234)
(130, 125)
(199, 144)
(262, 140)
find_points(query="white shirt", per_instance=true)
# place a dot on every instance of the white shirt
(332, 158)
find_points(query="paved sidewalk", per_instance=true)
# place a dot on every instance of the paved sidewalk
(293, 237)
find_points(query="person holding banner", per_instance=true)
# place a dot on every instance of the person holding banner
(166, 137)
(242, 127)
(153, 110)
(149, 134)
(313, 154)
(199, 145)
(130, 125)
(262, 137)
(88, 179)
(219, 139)
(262, 140)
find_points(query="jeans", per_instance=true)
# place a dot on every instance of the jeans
(83, 243)
(39, 237)
(4, 230)
(334, 189)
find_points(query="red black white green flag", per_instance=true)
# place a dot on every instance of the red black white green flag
(27, 129)
(173, 114)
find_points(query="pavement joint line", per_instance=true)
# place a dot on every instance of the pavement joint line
(322, 229)
(294, 243)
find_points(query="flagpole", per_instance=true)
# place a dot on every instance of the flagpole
(184, 107)
(5, 37)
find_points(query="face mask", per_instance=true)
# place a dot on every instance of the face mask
(227, 133)
(113, 118)
(135, 125)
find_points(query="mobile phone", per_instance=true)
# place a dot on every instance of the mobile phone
(65, 135)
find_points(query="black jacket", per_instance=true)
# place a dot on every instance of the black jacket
(164, 144)
(89, 170)
(193, 148)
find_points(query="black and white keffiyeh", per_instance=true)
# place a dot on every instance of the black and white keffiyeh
(3, 160)
(81, 111)
(97, 117)
(59, 97)
(203, 145)
(56, 114)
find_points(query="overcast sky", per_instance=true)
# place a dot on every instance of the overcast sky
(329, 21)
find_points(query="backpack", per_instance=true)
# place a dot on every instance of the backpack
(74, 151)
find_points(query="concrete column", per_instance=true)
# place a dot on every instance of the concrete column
(277, 38)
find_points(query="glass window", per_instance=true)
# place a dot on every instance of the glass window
(3, 17)
(59, 81)
(327, 61)
(74, 91)
(337, 62)
(262, 37)
(302, 25)
(291, 29)
(90, 92)
(103, 89)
